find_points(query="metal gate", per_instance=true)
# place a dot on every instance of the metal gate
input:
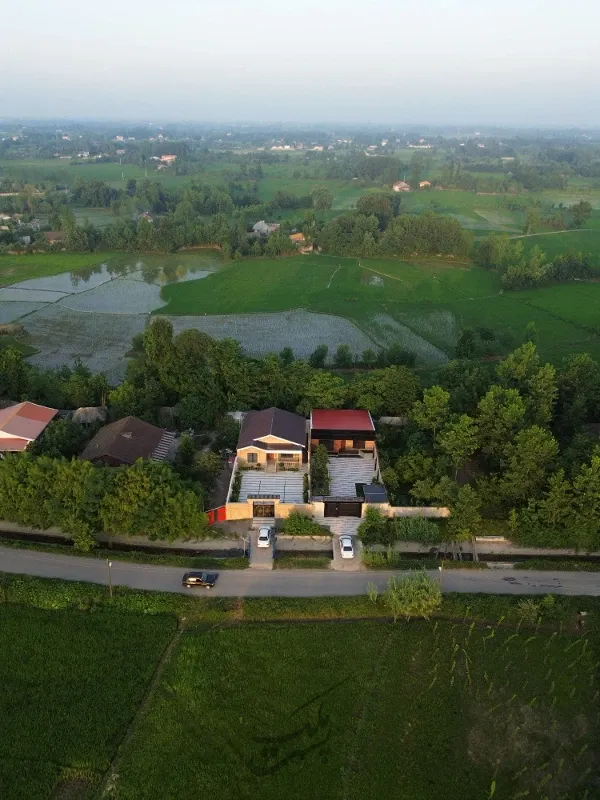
(342, 509)
(263, 510)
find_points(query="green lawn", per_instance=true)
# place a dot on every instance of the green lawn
(39, 265)
(416, 711)
(432, 300)
(71, 684)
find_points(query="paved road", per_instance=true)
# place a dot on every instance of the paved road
(292, 583)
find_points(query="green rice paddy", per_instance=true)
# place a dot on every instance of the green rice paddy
(434, 299)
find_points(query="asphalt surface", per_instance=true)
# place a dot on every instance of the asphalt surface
(290, 583)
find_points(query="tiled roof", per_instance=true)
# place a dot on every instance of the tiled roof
(272, 422)
(125, 440)
(330, 419)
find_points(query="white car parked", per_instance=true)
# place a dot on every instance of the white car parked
(346, 547)
(264, 537)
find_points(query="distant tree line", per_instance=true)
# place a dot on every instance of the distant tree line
(525, 270)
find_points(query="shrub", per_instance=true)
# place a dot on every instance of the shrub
(236, 488)
(412, 596)
(416, 529)
(319, 471)
(305, 488)
(529, 611)
(373, 528)
(298, 524)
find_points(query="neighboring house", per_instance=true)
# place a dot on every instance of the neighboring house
(121, 443)
(168, 159)
(21, 424)
(297, 238)
(263, 228)
(271, 438)
(401, 186)
(424, 184)
(342, 430)
(54, 237)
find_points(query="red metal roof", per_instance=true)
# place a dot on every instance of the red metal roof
(326, 419)
(12, 445)
(24, 421)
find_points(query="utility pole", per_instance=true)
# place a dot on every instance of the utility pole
(110, 589)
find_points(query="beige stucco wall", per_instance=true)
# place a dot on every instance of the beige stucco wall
(244, 510)
(261, 456)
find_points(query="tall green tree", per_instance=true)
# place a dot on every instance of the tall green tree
(527, 462)
(459, 439)
(390, 391)
(433, 411)
(500, 414)
(324, 390)
(322, 198)
(149, 499)
(14, 374)
(465, 520)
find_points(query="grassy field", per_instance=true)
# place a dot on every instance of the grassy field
(586, 240)
(419, 304)
(40, 265)
(71, 683)
(117, 175)
(436, 710)
(417, 711)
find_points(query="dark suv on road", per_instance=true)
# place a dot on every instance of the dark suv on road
(205, 579)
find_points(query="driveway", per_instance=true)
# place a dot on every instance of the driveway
(291, 583)
(260, 557)
(347, 564)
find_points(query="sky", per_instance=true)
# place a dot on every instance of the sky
(519, 62)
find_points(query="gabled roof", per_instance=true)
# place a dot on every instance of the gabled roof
(23, 423)
(330, 419)
(272, 422)
(126, 440)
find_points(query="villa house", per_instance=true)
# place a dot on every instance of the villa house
(342, 430)
(353, 465)
(272, 440)
(401, 186)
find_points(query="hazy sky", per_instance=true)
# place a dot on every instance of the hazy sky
(396, 61)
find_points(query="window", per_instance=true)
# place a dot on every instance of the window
(288, 457)
(252, 458)
(359, 444)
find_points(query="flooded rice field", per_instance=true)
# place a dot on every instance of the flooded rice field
(93, 313)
